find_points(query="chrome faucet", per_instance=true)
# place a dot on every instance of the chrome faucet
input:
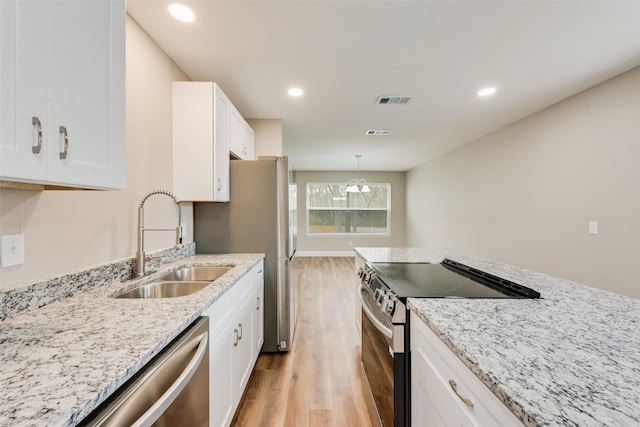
(140, 267)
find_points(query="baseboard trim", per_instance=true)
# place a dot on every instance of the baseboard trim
(325, 253)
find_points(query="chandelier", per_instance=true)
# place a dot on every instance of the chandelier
(358, 185)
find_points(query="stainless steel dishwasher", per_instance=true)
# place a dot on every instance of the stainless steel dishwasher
(172, 390)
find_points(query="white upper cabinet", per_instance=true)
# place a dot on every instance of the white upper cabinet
(242, 137)
(63, 93)
(201, 129)
(249, 142)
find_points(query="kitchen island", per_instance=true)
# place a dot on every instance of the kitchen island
(571, 358)
(59, 362)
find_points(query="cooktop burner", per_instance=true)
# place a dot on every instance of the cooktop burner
(449, 279)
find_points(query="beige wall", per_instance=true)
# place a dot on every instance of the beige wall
(268, 140)
(525, 194)
(339, 245)
(70, 230)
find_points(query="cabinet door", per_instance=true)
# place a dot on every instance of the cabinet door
(249, 142)
(221, 386)
(431, 404)
(221, 146)
(23, 90)
(258, 324)
(241, 136)
(236, 134)
(243, 353)
(86, 91)
(444, 392)
(63, 77)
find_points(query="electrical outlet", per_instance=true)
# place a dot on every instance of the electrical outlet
(593, 227)
(11, 250)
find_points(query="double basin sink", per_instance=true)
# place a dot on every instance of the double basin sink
(181, 282)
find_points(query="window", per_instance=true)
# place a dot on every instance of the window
(331, 210)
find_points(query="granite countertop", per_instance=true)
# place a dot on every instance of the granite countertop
(571, 358)
(61, 361)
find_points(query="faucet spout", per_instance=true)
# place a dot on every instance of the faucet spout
(140, 254)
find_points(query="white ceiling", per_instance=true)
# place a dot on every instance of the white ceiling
(345, 54)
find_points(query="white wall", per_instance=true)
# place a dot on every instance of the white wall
(70, 230)
(325, 245)
(525, 194)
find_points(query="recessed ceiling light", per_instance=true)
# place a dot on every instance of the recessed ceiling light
(295, 91)
(487, 91)
(181, 12)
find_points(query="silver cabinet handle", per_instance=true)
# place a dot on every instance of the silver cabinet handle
(240, 326)
(454, 386)
(235, 343)
(258, 303)
(36, 123)
(219, 184)
(65, 135)
(169, 396)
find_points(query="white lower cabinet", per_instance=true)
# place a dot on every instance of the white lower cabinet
(221, 378)
(233, 328)
(243, 350)
(258, 326)
(444, 392)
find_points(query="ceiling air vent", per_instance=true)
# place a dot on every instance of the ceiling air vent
(391, 100)
(378, 132)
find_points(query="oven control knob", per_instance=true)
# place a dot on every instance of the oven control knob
(369, 278)
(383, 298)
(391, 305)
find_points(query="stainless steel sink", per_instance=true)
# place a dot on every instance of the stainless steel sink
(181, 282)
(165, 289)
(208, 274)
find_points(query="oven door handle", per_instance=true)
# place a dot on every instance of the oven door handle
(387, 332)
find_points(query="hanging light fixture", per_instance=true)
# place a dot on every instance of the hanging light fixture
(358, 185)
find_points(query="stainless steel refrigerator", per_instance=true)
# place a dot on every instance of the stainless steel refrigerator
(258, 219)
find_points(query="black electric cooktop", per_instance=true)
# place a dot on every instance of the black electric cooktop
(449, 279)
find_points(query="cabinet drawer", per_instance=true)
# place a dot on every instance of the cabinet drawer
(220, 313)
(441, 371)
(243, 287)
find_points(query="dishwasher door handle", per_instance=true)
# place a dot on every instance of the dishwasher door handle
(161, 405)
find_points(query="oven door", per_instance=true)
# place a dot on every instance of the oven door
(377, 360)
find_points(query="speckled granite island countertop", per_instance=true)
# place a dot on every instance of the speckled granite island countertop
(61, 361)
(571, 358)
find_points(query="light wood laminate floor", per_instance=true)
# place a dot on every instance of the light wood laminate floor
(319, 382)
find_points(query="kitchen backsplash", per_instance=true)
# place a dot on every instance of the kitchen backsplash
(42, 292)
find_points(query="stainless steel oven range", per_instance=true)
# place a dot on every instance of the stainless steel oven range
(384, 290)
